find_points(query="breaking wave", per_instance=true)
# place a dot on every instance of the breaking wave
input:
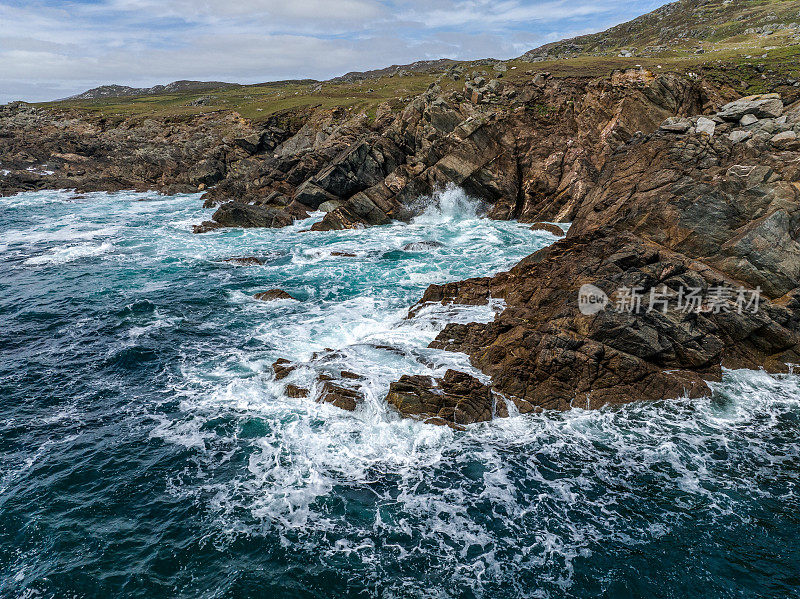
(147, 448)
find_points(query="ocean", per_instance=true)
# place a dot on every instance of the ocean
(146, 449)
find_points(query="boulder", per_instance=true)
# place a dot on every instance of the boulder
(763, 106)
(739, 136)
(456, 400)
(705, 126)
(237, 214)
(787, 140)
(676, 125)
(748, 120)
(273, 294)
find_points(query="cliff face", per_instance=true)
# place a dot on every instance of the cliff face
(532, 150)
(689, 244)
(51, 149)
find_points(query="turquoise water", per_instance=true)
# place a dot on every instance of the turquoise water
(147, 450)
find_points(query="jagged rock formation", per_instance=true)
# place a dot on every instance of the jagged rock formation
(533, 152)
(704, 222)
(52, 149)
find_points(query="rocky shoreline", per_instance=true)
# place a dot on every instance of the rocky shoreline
(671, 183)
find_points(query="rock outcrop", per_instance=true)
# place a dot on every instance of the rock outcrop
(273, 294)
(51, 148)
(687, 246)
(456, 399)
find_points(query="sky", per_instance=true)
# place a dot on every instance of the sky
(52, 49)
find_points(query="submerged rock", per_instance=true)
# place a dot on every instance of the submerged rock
(296, 392)
(422, 246)
(282, 368)
(206, 226)
(245, 261)
(273, 294)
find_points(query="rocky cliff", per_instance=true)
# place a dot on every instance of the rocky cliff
(691, 237)
(674, 187)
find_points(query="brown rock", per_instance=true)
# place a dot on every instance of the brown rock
(341, 397)
(543, 350)
(282, 368)
(273, 294)
(296, 392)
(457, 399)
(549, 228)
(346, 374)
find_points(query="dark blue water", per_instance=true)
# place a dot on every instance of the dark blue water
(147, 451)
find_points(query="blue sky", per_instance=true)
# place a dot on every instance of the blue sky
(51, 49)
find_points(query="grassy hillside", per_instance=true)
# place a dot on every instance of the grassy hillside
(689, 27)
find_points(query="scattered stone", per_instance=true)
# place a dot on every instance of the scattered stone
(421, 246)
(705, 126)
(296, 392)
(343, 255)
(272, 295)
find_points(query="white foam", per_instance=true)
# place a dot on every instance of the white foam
(69, 253)
(531, 493)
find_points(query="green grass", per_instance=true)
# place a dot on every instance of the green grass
(255, 102)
